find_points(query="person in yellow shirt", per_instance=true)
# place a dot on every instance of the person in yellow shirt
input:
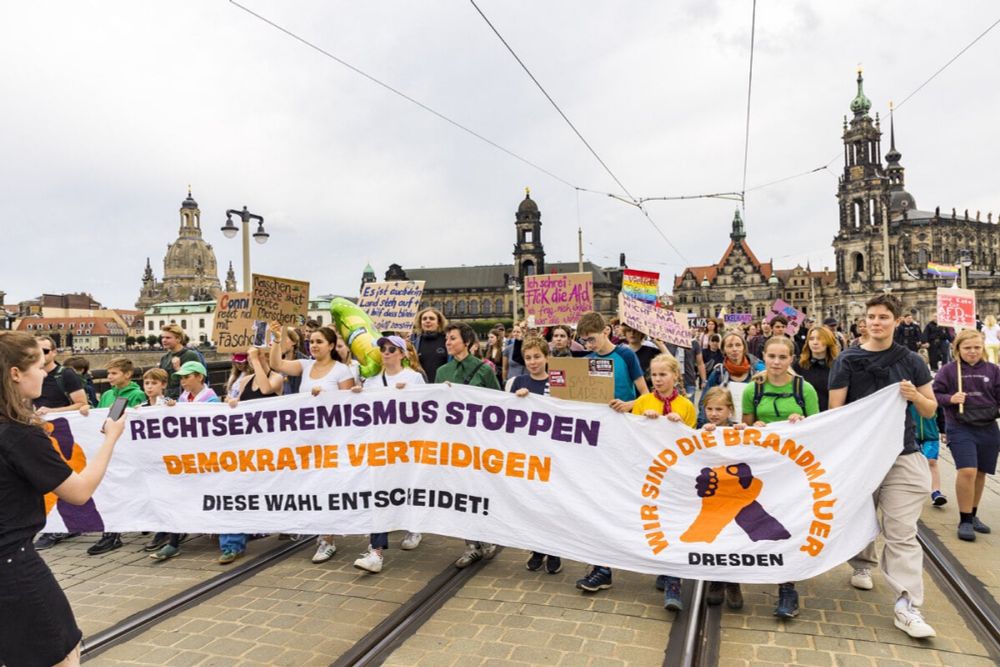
(665, 400)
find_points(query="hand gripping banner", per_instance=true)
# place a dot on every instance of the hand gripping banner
(760, 505)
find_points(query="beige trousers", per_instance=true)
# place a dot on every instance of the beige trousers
(899, 501)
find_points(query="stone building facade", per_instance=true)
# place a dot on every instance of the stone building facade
(189, 267)
(486, 292)
(883, 243)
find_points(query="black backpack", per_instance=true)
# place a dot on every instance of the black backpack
(759, 394)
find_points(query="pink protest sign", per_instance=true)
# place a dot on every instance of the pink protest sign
(956, 308)
(557, 298)
(659, 323)
(789, 312)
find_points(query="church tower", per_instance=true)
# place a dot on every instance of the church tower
(863, 194)
(529, 255)
(230, 279)
(367, 276)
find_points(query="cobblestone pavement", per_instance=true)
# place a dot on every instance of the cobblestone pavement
(507, 615)
(979, 557)
(108, 588)
(294, 613)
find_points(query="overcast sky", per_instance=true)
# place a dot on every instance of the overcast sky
(110, 110)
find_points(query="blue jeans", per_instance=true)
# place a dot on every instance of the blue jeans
(379, 540)
(236, 542)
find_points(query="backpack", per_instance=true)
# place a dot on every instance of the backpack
(796, 393)
(866, 379)
(61, 381)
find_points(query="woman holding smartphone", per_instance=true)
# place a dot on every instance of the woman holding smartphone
(37, 626)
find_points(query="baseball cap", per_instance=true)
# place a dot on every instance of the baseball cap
(240, 358)
(192, 367)
(831, 322)
(392, 340)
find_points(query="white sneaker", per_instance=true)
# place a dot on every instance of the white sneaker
(410, 541)
(909, 620)
(471, 555)
(862, 579)
(489, 550)
(370, 561)
(324, 551)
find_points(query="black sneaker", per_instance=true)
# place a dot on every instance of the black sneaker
(536, 561)
(598, 579)
(734, 596)
(48, 540)
(979, 526)
(938, 498)
(966, 532)
(553, 564)
(108, 542)
(716, 593)
(159, 539)
(661, 582)
(788, 602)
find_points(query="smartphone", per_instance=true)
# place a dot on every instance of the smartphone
(117, 410)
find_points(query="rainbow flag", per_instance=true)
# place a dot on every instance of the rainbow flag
(642, 285)
(942, 270)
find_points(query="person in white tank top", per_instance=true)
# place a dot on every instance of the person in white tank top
(321, 373)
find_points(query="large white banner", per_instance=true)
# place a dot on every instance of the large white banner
(577, 480)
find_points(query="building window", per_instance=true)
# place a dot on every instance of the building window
(201, 323)
(487, 307)
(461, 307)
(184, 324)
(151, 325)
(473, 307)
(448, 310)
(319, 320)
(498, 307)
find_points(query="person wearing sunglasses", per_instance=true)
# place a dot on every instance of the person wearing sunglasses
(396, 374)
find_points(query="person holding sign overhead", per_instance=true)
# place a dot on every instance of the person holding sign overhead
(321, 373)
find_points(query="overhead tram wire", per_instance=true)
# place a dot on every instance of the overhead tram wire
(746, 141)
(631, 198)
(896, 108)
(406, 97)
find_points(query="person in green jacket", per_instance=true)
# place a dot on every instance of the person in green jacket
(120, 372)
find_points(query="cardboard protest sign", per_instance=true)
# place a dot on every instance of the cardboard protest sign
(582, 379)
(697, 321)
(233, 329)
(392, 305)
(737, 318)
(659, 323)
(281, 300)
(642, 285)
(956, 308)
(558, 298)
(790, 312)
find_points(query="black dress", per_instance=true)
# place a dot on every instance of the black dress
(37, 626)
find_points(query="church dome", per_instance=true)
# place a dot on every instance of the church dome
(190, 257)
(901, 200)
(189, 202)
(528, 205)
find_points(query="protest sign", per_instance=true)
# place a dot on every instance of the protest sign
(582, 379)
(392, 305)
(696, 321)
(737, 318)
(790, 313)
(281, 300)
(233, 329)
(779, 503)
(642, 285)
(956, 308)
(557, 298)
(659, 323)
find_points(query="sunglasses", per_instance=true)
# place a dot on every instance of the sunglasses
(388, 349)
(46, 350)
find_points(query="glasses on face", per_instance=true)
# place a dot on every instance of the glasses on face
(388, 349)
(46, 350)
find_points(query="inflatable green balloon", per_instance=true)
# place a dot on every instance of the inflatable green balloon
(360, 334)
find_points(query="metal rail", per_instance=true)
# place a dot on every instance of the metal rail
(974, 602)
(124, 630)
(694, 638)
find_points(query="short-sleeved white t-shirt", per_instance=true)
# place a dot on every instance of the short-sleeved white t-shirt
(329, 382)
(382, 381)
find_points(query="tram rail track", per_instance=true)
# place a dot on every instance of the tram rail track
(121, 632)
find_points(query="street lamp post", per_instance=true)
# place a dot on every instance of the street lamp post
(512, 284)
(260, 236)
